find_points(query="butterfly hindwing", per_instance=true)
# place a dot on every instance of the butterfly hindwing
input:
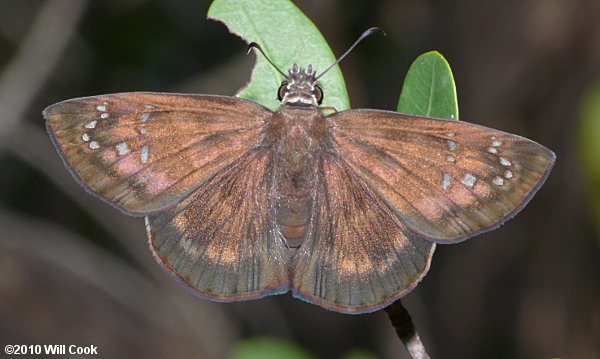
(359, 257)
(144, 151)
(447, 180)
(219, 241)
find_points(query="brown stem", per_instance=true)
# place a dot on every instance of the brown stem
(406, 331)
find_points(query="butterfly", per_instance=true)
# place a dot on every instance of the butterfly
(343, 210)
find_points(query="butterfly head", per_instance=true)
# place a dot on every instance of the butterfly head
(300, 88)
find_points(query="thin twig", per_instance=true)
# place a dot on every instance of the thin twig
(406, 331)
(23, 77)
(39, 52)
(125, 284)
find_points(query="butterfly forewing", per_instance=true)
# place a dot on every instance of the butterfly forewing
(446, 180)
(220, 241)
(359, 256)
(144, 151)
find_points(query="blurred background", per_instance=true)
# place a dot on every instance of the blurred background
(75, 271)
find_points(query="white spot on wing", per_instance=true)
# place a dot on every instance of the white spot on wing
(447, 180)
(85, 137)
(493, 137)
(492, 150)
(451, 145)
(450, 134)
(149, 106)
(122, 149)
(101, 108)
(508, 174)
(145, 117)
(94, 145)
(143, 131)
(92, 124)
(450, 159)
(504, 161)
(496, 143)
(498, 181)
(104, 115)
(469, 180)
(144, 154)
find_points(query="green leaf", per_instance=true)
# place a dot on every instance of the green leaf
(359, 354)
(589, 133)
(429, 88)
(267, 348)
(287, 36)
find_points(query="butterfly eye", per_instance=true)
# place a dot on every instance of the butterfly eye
(282, 90)
(318, 94)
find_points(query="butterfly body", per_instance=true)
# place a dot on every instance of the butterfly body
(342, 210)
(301, 136)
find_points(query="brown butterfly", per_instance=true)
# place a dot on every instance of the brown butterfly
(242, 202)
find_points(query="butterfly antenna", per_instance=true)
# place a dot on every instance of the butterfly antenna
(254, 45)
(368, 32)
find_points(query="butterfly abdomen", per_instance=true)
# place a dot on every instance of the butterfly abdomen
(293, 220)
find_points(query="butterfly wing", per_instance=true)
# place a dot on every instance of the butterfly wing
(141, 152)
(219, 241)
(359, 256)
(447, 180)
